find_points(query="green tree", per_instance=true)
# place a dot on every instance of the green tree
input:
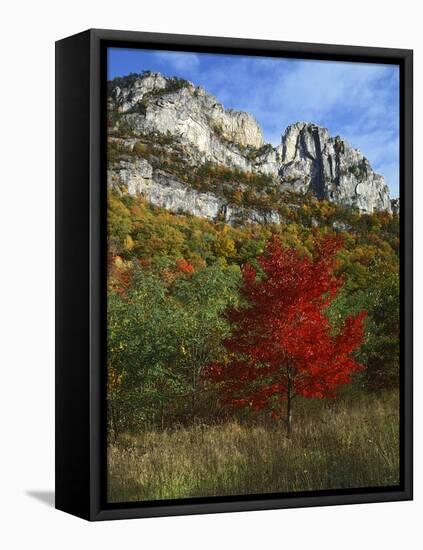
(204, 297)
(378, 294)
(381, 350)
(160, 337)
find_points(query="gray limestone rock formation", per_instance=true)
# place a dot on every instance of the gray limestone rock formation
(331, 169)
(395, 206)
(164, 190)
(308, 159)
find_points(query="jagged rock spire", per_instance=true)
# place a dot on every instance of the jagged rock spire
(308, 160)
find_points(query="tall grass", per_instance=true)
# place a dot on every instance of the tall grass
(342, 444)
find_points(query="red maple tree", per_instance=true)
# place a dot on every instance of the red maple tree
(282, 344)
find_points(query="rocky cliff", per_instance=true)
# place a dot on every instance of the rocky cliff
(331, 169)
(163, 130)
(167, 191)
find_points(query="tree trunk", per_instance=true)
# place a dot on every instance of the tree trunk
(289, 415)
(193, 406)
(112, 432)
(162, 415)
(193, 396)
(289, 404)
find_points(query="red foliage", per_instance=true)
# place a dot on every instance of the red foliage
(119, 275)
(184, 266)
(282, 344)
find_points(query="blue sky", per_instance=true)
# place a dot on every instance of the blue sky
(358, 101)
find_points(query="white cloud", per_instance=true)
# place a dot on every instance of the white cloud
(179, 61)
(356, 101)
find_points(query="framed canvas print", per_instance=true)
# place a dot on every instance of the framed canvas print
(234, 274)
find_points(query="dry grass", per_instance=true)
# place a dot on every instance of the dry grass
(345, 445)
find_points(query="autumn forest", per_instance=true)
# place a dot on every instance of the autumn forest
(253, 288)
(257, 358)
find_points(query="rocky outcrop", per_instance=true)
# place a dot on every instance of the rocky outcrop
(395, 206)
(331, 169)
(308, 159)
(152, 104)
(132, 91)
(164, 190)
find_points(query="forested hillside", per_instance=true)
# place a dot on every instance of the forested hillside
(189, 271)
(253, 304)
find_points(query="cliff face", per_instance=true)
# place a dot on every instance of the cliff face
(149, 107)
(190, 114)
(331, 169)
(179, 107)
(166, 191)
(395, 206)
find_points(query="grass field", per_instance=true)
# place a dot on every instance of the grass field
(338, 444)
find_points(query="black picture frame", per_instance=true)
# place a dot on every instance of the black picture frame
(81, 272)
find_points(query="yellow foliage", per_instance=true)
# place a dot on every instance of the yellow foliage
(129, 243)
(224, 247)
(114, 378)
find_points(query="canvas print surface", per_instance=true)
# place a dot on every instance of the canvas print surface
(253, 275)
